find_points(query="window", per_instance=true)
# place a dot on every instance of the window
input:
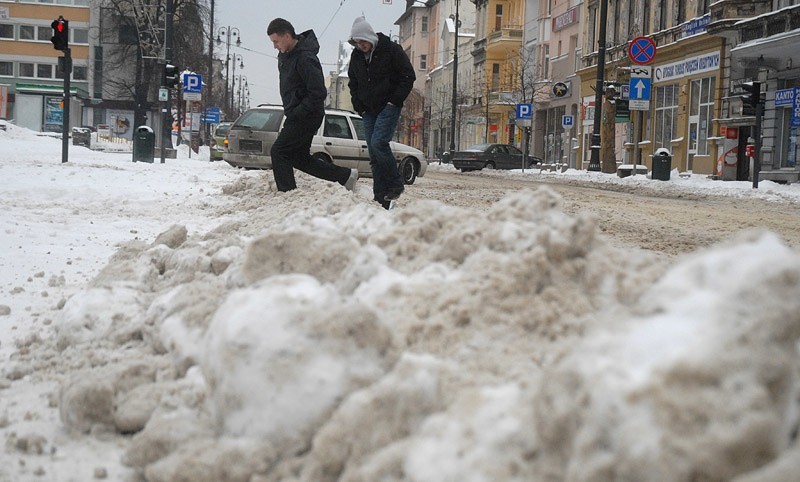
(591, 43)
(44, 71)
(80, 35)
(498, 18)
(27, 32)
(495, 77)
(662, 15)
(44, 34)
(6, 31)
(702, 106)
(336, 126)
(7, 69)
(79, 72)
(424, 23)
(702, 7)
(665, 125)
(645, 18)
(423, 62)
(26, 69)
(545, 61)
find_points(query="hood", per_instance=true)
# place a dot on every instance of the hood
(308, 41)
(363, 31)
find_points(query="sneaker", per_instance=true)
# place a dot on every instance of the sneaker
(394, 193)
(350, 184)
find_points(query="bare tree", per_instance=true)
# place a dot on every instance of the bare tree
(132, 38)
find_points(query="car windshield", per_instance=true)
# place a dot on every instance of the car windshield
(478, 147)
(222, 130)
(260, 119)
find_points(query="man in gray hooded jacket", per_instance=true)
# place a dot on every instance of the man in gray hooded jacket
(381, 77)
(303, 93)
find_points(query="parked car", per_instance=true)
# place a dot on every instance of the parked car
(491, 156)
(340, 140)
(219, 138)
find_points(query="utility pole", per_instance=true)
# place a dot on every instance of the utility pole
(455, 87)
(208, 99)
(594, 160)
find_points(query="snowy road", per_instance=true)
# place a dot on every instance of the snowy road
(669, 220)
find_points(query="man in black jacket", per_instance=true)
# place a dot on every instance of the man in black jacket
(381, 77)
(303, 94)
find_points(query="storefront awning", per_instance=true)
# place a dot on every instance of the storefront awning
(44, 89)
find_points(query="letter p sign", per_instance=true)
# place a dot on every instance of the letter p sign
(524, 111)
(192, 83)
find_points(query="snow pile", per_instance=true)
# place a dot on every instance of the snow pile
(320, 338)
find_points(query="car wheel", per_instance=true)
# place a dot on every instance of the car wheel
(409, 169)
(323, 157)
(489, 165)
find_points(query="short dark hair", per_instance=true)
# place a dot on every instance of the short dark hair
(280, 27)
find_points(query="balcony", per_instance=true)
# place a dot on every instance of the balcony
(504, 37)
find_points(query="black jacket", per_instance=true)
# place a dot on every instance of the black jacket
(388, 77)
(302, 84)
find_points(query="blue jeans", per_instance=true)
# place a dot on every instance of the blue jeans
(379, 130)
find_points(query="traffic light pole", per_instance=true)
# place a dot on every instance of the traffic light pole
(166, 115)
(65, 111)
(757, 137)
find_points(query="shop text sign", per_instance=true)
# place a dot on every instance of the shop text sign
(566, 19)
(694, 65)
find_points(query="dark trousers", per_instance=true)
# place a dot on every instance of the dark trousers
(292, 149)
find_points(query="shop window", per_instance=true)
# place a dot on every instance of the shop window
(665, 124)
(701, 113)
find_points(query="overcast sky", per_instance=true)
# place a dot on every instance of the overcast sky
(260, 58)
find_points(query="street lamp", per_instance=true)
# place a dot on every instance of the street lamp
(228, 32)
(242, 90)
(235, 58)
(594, 160)
(455, 88)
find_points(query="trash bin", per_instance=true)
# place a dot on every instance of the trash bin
(81, 136)
(144, 143)
(662, 165)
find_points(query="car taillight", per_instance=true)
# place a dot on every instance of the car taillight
(226, 141)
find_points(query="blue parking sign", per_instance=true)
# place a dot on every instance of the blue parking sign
(192, 83)
(524, 111)
(567, 121)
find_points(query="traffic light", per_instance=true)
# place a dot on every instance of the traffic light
(60, 37)
(172, 78)
(752, 98)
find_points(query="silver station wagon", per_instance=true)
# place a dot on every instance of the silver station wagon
(340, 140)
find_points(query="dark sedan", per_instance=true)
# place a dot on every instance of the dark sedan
(490, 156)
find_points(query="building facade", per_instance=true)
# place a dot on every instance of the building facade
(31, 82)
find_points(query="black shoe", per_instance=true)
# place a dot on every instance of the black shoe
(394, 193)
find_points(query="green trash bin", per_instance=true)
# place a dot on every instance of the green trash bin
(144, 144)
(662, 165)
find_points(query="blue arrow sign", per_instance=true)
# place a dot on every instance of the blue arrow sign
(640, 89)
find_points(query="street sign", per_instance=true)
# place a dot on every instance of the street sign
(163, 94)
(560, 89)
(524, 111)
(796, 108)
(211, 115)
(642, 50)
(567, 121)
(640, 88)
(192, 83)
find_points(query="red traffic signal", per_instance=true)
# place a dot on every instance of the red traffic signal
(60, 37)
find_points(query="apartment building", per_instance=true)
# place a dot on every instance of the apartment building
(687, 81)
(31, 83)
(761, 39)
(497, 66)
